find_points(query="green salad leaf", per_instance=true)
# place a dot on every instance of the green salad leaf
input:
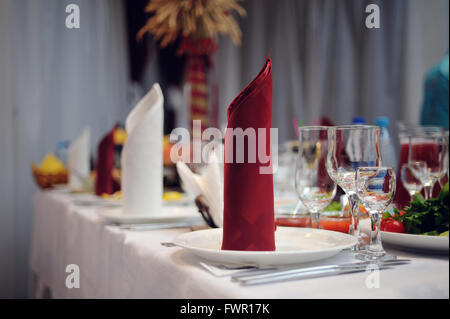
(334, 206)
(427, 217)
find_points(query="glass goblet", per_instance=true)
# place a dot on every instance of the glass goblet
(428, 145)
(444, 176)
(411, 183)
(350, 147)
(314, 186)
(376, 190)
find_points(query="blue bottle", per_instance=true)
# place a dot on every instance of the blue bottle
(388, 154)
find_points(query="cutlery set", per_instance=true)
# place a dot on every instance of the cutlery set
(312, 272)
(248, 275)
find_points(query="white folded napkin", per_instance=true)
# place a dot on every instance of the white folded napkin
(209, 185)
(78, 161)
(191, 181)
(142, 161)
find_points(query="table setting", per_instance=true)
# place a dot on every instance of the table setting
(224, 223)
(217, 155)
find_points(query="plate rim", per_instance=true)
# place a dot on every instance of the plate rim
(109, 214)
(265, 252)
(426, 243)
(413, 235)
(416, 242)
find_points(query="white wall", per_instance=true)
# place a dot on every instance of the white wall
(435, 30)
(7, 165)
(54, 81)
(326, 62)
(427, 41)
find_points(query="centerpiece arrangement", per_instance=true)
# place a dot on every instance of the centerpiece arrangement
(197, 24)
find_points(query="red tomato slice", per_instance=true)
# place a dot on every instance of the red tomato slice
(393, 226)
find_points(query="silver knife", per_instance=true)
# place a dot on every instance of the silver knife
(310, 272)
(307, 275)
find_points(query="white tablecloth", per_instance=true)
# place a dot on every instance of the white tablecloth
(115, 263)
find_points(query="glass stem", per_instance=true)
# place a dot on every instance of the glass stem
(298, 207)
(315, 219)
(375, 237)
(428, 190)
(353, 203)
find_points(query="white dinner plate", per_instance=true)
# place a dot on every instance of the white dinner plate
(169, 213)
(93, 200)
(184, 200)
(412, 242)
(416, 242)
(293, 246)
(60, 188)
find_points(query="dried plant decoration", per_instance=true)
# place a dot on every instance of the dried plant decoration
(197, 23)
(192, 19)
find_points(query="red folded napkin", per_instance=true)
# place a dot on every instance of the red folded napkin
(249, 222)
(105, 183)
(325, 121)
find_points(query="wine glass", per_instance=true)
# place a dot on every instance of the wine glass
(314, 186)
(409, 180)
(350, 147)
(283, 167)
(444, 178)
(405, 130)
(420, 171)
(427, 144)
(376, 190)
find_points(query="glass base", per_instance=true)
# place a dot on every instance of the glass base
(363, 243)
(359, 247)
(371, 256)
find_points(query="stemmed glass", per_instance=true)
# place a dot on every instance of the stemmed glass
(376, 190)
(282, 178)
(350, 147)
(314, 186)
(427, 144)
(409, 180)
(444, 178)
(405, 130)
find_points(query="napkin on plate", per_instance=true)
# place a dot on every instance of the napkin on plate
(78, 162)
(105, 183)
(210, 185)
(191, 181)
(142, 162)
(249, 222)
